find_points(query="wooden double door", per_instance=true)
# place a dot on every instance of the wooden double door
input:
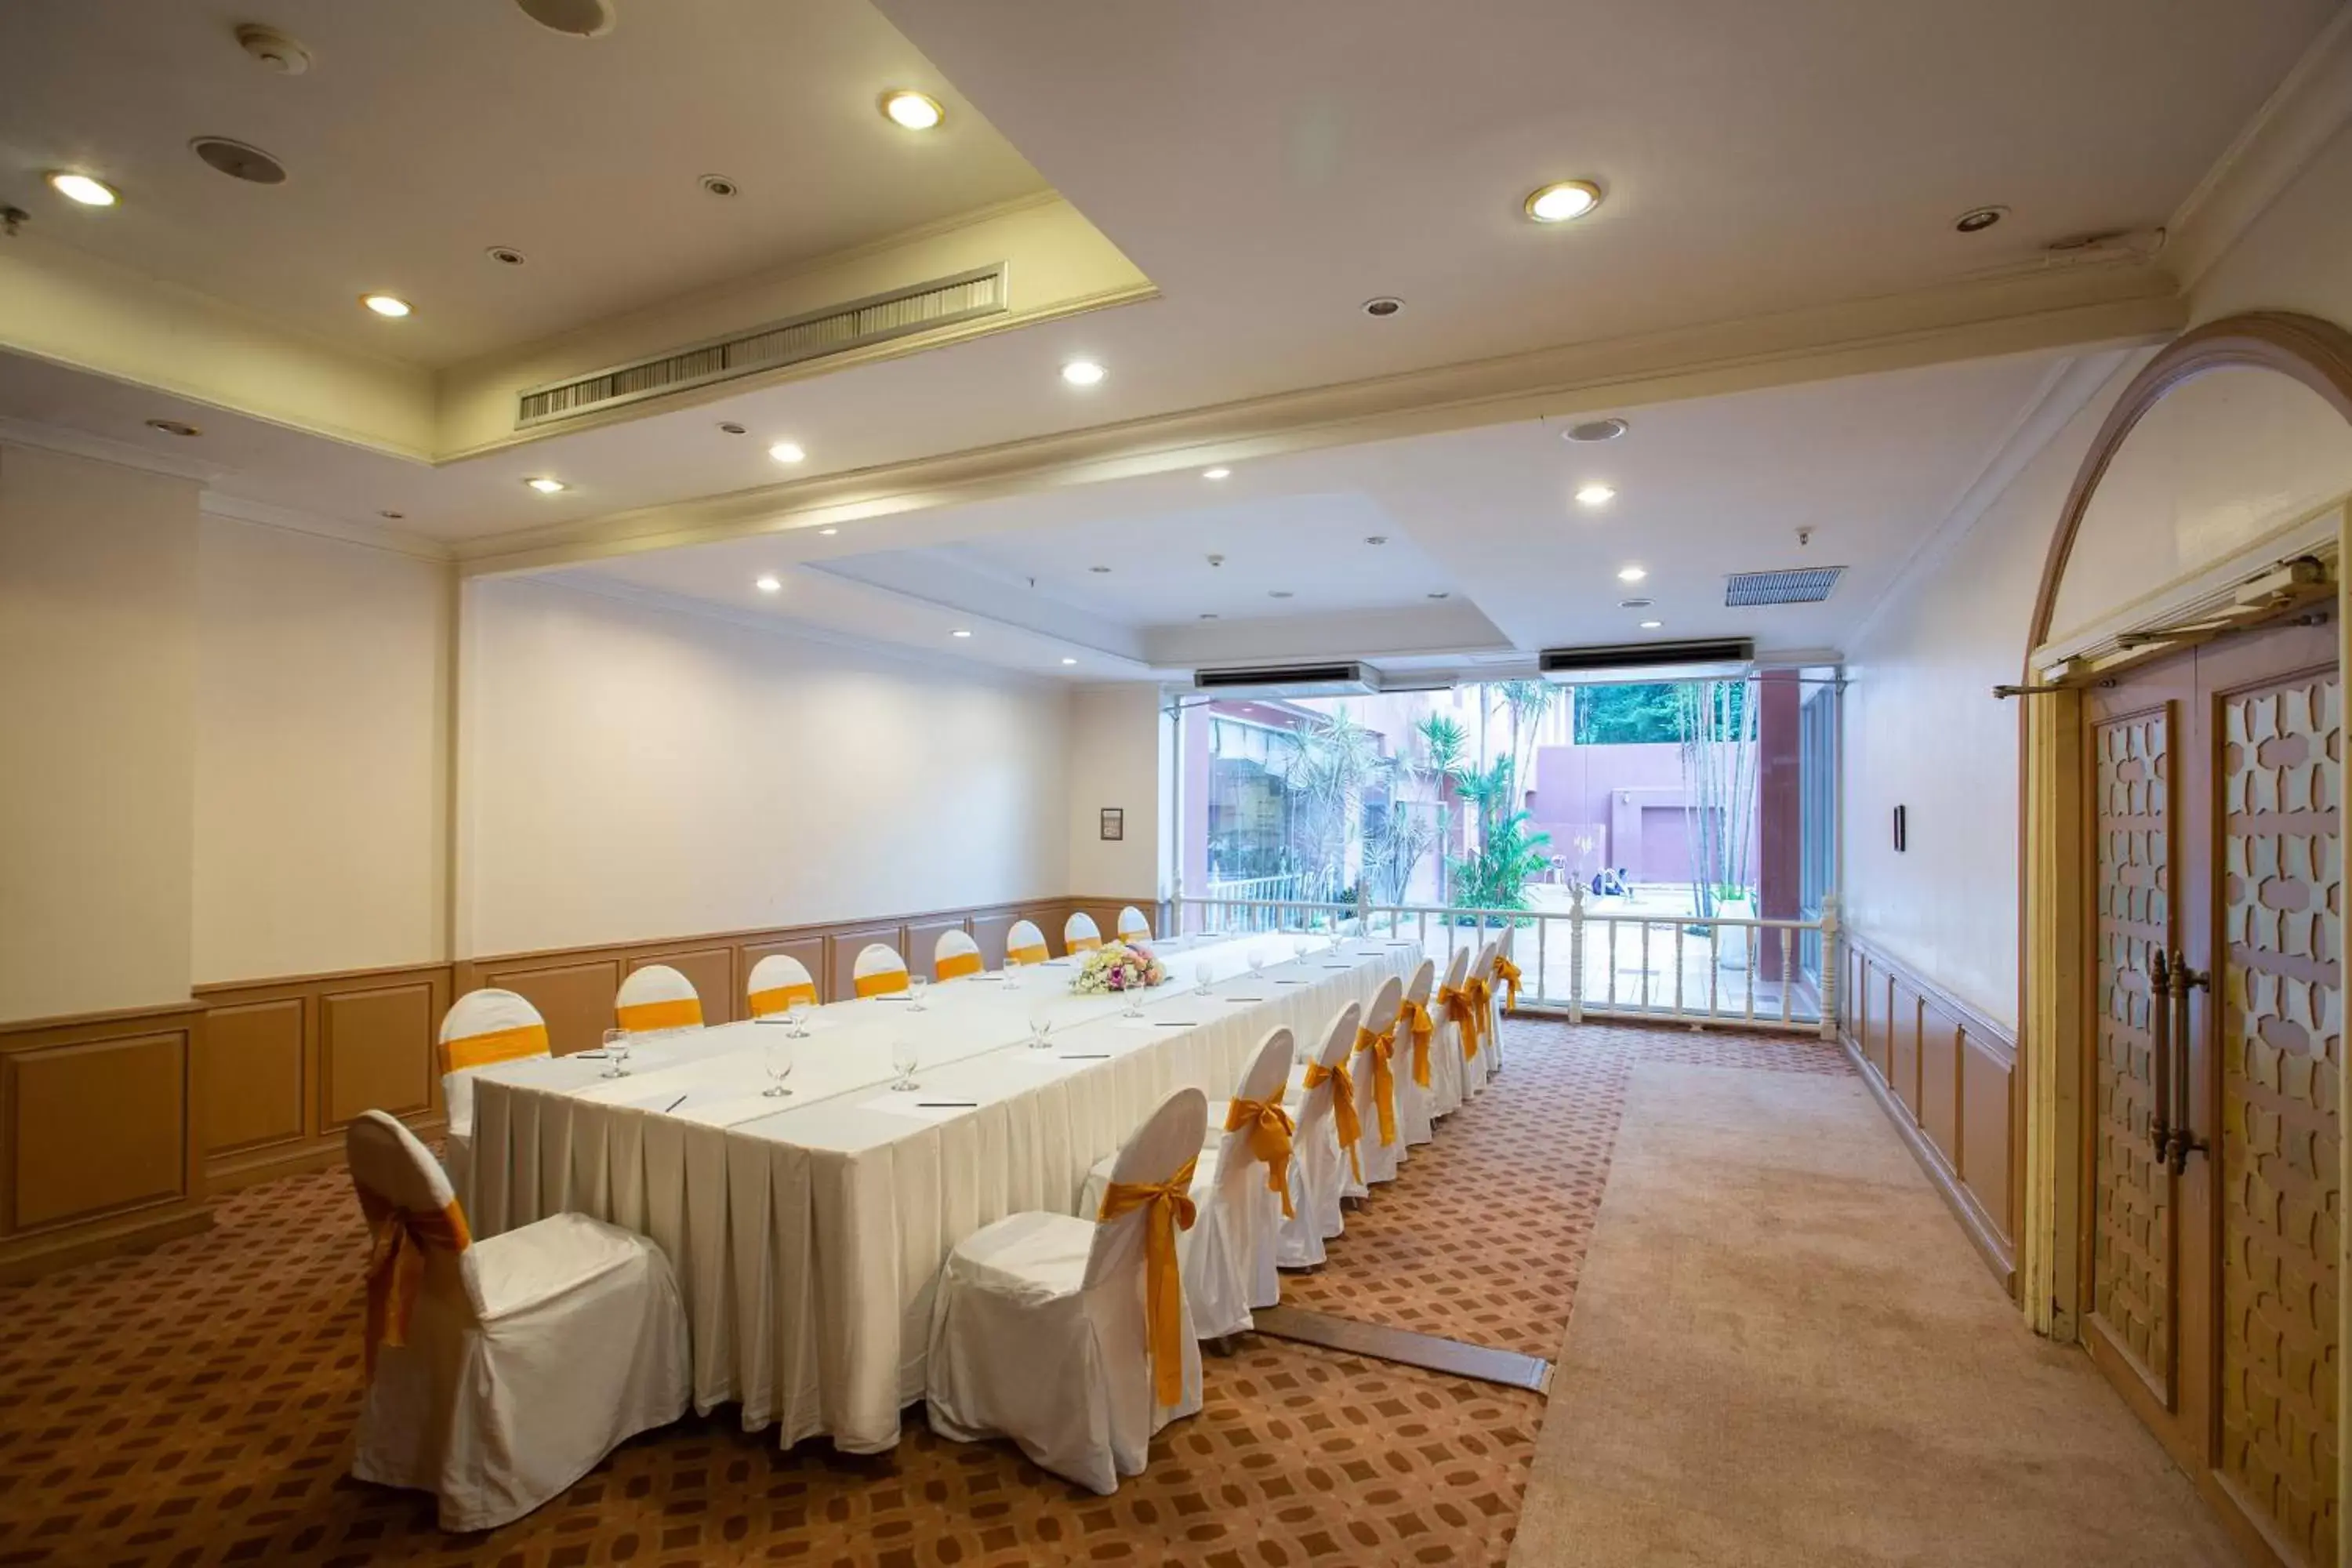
(2215, 1011)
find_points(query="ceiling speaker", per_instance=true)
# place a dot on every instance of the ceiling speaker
(581, 18)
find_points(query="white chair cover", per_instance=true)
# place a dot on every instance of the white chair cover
(955, 956)
(1379, 1157)
(1080, 934)
(1320, 1170)
(1490, 1056)
(879, 971)
(1450, 1084)
(1133, 925)
(524, 1359)
(1413, 1100)
(484, 1028)
(1501, 1002)
(655, 999)
(1040, 1331)
(1024, 944)
(777, 982)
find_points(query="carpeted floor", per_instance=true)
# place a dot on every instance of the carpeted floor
(1785, 1353)
(193, 1405)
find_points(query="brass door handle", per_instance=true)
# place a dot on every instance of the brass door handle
(2160, 1029)
(2179, 1142)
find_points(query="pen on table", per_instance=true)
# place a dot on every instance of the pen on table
(673, 1104)
(946, 1105)
(1086, 1056)
(1176, 1023)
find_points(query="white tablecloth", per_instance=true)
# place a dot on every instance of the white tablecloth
(807, 1240)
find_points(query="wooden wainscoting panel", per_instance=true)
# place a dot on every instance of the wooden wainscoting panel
(923, 941)
(988, 930)
(1875, 1047)
(99, 1126)
(848, 942)
(254, 1074)
(1902, 1044)
(1987, 1158)
(709, 970)
(1939, 1075)
(574, 996)
(809, 950)
(376, 1052)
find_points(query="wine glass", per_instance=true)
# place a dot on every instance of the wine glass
(1041, 1027)
(1133, 998)
(1201, 975)
(616, 1045)
(796, 1018)
(915, 985)
(780, 1066)
(904, 1059)
(1257, 961)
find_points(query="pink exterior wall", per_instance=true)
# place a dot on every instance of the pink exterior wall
(1629, 799)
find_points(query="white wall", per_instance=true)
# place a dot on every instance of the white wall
(322, 750)
(630, 770)
(1121, 755)
(97, 656)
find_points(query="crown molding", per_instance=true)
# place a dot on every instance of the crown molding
(106, 449)
(2308, 108)
(1963, 319)
(288, 520)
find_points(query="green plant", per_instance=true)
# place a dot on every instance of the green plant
(1331, 766)
(1508, 857)
(1445, 745)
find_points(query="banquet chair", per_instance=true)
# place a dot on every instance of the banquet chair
(879, 971)
(1418, 1060)
(655, 999)
(777, 982)
(1322, 1144)
(1502, 983)
(1450, 1084)
(1080, 934)
(1381, 1148)
(484, 1028)
(1482, 993)
(1024, 944)
(956, 955)
(1133, 926)
(1073, 1337)
(501, 1370)
(1238, 1193)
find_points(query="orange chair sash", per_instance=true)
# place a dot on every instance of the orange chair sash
(396, 1264)
(1167, 1205)
(1414, 1020)
(497, 1046)
(776, 998)
(1508, 973)
(956, 965)
(1463, 1008)
(1270, 1130)
(1382, 1048)
(886, 983)
(1085, 944)
(1349, 1126)
(1026, 954)
(642, 1018)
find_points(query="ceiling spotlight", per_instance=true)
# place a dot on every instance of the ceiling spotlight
(1635, 603)
(1217, 473)
(1596, 495)
(1632, 573)
(1975, 220)
(958, 632)
(505, 255)
(769, 584)
(720, 186)
(1652, 626)
(731, 428)
(392, 516)
(1596, 430)
(788, 452)
(1069, 660)
(546, 486)
(172, 427)
(1385, 306)
(391, 305)
(1441, 595)
(912, 110)
(82, 188)
(828, 532)
(1082, 372)
(1559, 202)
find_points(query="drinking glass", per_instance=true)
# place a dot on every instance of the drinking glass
(1257, 961)
(914, 983)
(904, 1059)
(1201, 974)
(616, 1045)
(1300, 947)
(780, 1066)
(796, 1018)
(1133, 997)
(1041, 1027)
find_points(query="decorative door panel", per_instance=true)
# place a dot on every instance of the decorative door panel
(2279, 1024)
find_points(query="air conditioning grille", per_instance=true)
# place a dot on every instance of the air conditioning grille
(1792, 585)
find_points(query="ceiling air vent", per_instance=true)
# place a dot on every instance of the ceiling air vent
(1615, 663)
(820, 334)
(1292, 680)
(1795, 586)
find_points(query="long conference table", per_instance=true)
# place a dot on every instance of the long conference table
(808, 1233)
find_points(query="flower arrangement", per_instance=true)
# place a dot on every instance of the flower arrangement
(1118, 966)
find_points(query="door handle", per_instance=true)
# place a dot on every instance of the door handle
(2180, 1142)
(2158, 981)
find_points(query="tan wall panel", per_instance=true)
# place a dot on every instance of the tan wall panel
(376, 1052)
(711, 971)
(848, 942)
(574, 997)
(809, 950)
(923, 941)
(1875, 1045)
(1940, 1078)
(99, 1126)
(1903, 1045)
(253, 1075)
(988, 931)
(1986, 1155)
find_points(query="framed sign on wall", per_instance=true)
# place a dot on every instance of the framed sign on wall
(1114, 822)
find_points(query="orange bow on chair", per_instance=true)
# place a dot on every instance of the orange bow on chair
(1508, 973)
(1382, 1048)
(1270, 1130)
(1415, 1019)
(396, 1264)
(1167, 1205)
(1349, 1126)
(1464, 1008)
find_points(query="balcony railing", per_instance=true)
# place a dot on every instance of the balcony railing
(1726, 970)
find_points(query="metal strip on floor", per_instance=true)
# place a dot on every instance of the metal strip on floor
(1428, 1352)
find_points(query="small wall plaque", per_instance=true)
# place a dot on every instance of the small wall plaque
(1114, 822)
(1902, 837)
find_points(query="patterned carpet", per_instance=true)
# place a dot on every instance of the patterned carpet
(193, 1405)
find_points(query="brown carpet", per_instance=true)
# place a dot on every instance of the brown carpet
(193, 1405)
(1785, 1353)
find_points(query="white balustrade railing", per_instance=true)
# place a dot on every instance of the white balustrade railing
(1678, 968)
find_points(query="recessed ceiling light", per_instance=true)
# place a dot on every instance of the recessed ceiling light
(1099, 571)
(731, 428)
(1383, 306)
(1217, 473)
(828, 532)
(911, 109)
(1559, 202)
(1376, 539)
(1596, 495)
(82, 188)
(1632, 573)
(958, 632)
(391, 305)
(1208, 614)
(392, 516)
(1975, 220)
(172, 427)
(1635, 603)
(769, 584)
(720, 186)
(788, 452)
(1279, 594)
(1082, 372)
(581, 18)
(1652, 626)
(1441, 595)
(238, 159)
(1607, 429)
(545, 486)
(505, 255)
(1069, 661)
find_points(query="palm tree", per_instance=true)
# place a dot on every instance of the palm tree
(1331, 764)
(1445, 743)
(1526, 701)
